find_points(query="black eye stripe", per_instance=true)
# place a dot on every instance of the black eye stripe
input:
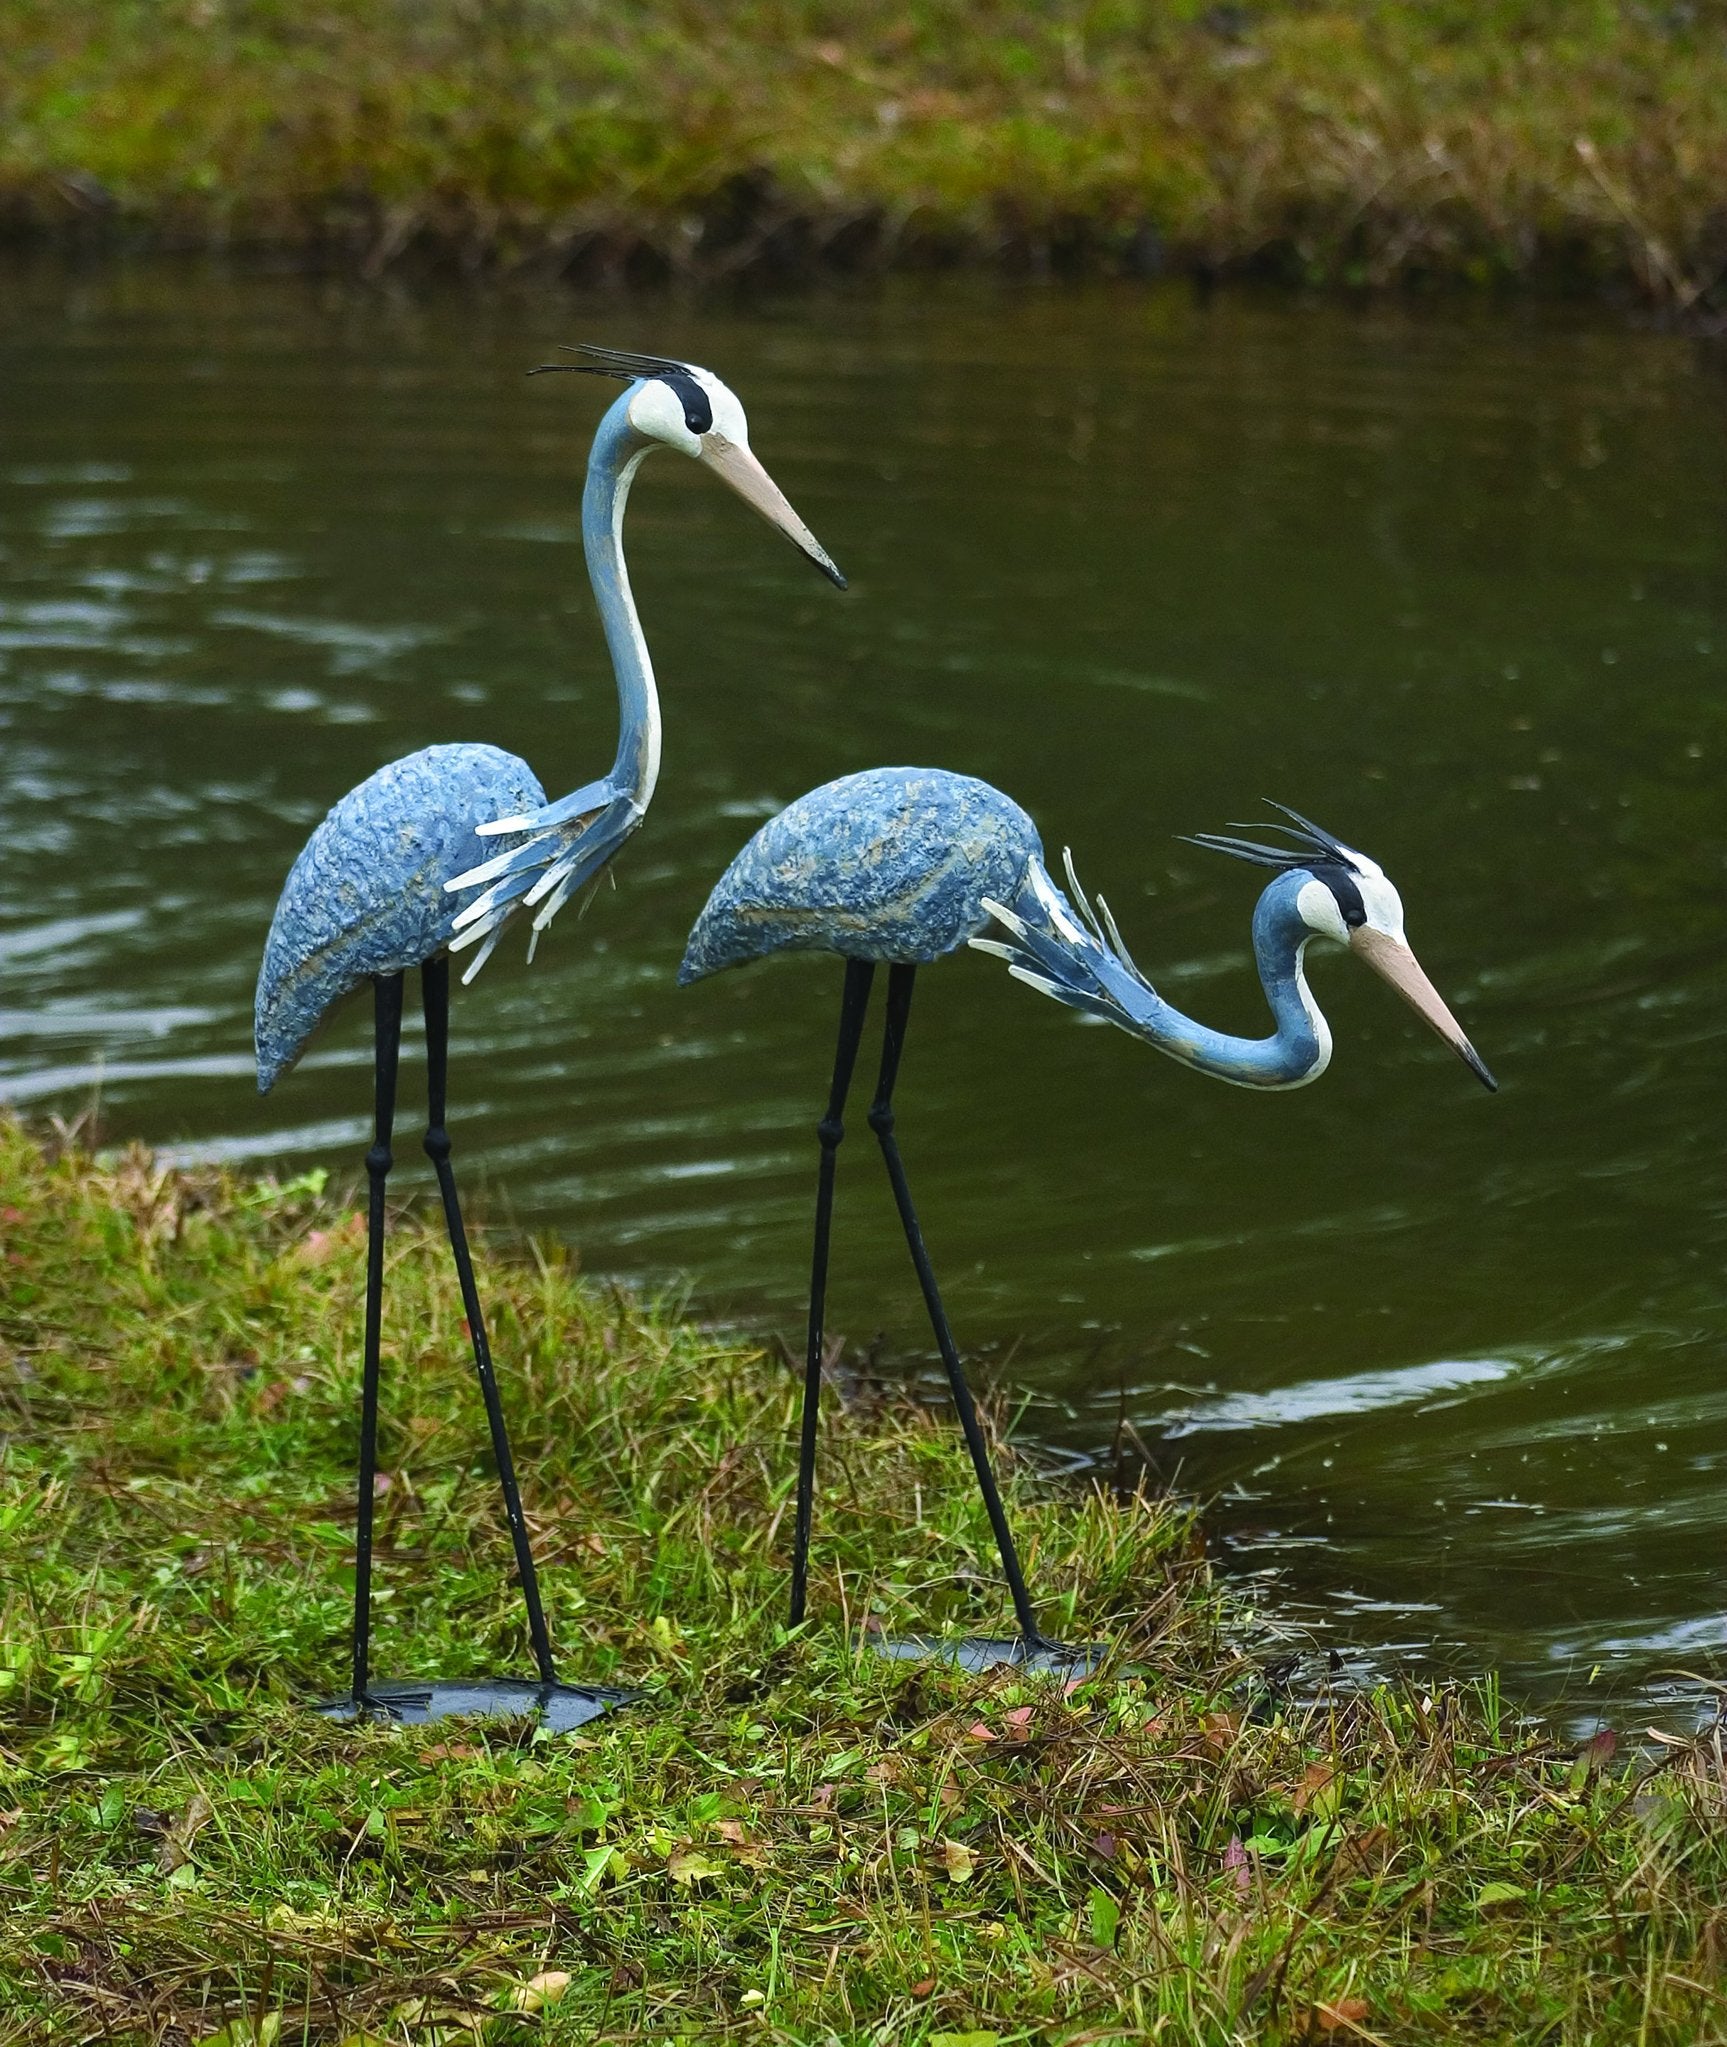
(1343, 888)
(698, 413)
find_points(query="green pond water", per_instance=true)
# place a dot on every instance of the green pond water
(1454, 1366)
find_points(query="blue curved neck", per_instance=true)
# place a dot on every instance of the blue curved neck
(1069, 957)
(617, 451)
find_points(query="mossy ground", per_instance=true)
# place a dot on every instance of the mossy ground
(789, 1840)
(1583, 142)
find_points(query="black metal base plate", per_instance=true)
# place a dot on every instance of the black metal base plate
(559, 1707)
(978, 1653)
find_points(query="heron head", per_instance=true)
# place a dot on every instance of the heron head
(1341, 894)
(683, 406)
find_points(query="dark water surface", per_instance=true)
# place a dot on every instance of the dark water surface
(1452, 584)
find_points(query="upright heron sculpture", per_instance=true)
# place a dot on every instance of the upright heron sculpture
(899, 866)
(370, 896)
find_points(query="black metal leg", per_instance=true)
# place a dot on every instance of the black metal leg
(881, 1121)
(387, 1039)
(853, 1005)
(435, 990)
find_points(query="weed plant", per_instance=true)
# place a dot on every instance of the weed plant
(1583, 142)
(792, 1839)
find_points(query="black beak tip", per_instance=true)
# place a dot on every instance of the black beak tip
(833, 575)
(1478, 1066)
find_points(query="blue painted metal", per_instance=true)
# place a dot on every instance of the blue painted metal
(370, 893)
(907, 864)
(566, 844)
(1078, 959)
(895, 865)
(366, 896)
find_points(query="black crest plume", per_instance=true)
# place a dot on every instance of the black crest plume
(627, 367)
(1310, 845)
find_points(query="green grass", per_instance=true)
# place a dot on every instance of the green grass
(1581, 142)
(789, 1841)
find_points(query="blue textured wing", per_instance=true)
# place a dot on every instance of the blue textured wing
(895, 864)
(367, 894)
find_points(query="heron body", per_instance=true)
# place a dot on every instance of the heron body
(893, 865)
(378, 890)
(904, 865)
(901, 866)
(367, 895)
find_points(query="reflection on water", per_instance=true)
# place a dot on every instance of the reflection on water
(1457, 1365)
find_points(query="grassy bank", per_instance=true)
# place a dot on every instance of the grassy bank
(1581, 142)
(786, 1842)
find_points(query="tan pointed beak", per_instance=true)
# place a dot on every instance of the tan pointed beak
(738, 467)
(1392, 961)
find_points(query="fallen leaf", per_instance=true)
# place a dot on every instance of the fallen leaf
(924, 1988)
(1362, 1854)
(1329, 2021)
(287, 1920)
(450, 1751)
(732, 1830)
(176, 1848)
(1235, 1865)
(539, 1991)
(690, 1866)
(1018, 1723)
(421, 2012)
(979, 1732)
(959, 1862)
(1219, 1731)
(1491, 1896)
(1319, 1790)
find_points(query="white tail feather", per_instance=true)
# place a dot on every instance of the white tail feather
(1041, 982)
(480, 958)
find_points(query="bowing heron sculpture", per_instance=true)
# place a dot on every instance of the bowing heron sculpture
(900, 866)
(372, 895)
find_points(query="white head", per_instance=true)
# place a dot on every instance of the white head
(682, 406)
(1343, 895)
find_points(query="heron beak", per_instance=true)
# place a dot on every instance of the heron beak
(1392, 961)
(734, 464)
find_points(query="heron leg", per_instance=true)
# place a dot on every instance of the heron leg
(435, 992)
(386, 1043)
(853, 1004)
(881, 1121)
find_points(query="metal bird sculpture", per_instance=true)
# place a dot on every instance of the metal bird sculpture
(374, 893)
(899, 866)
